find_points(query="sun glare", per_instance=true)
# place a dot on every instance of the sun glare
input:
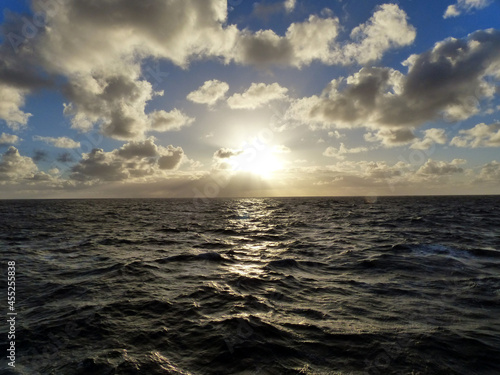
(262, 161)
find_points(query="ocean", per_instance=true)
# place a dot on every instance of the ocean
(388, 285)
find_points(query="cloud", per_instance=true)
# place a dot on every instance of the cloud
(226, 153)
(466, 6)
(116, 101)
(162, 121)
(134, 160)
(60, 142)
(316, 40)
(489, 172)
(391, 137)
(9, 139)
(257, 95)
(102, 58)
(440, 82)
(339, 153)
(209, 93)
(12, 101)
(65, 157)
(264, 10)
(40, 155)
(431, 137)
(281, 149)
(481, 135)
(387, 28)
(432, 167)
(171, 158)
(14, 167)
(335, 134)
(289, 5)
(303, 43)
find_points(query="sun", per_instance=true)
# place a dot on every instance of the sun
(263, 161)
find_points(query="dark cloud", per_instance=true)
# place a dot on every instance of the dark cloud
(65, 157)
(133, 149)
(448, 80)
(226, 153)
(136, 159)
(171, 158)
(40, 155)
(99, 165)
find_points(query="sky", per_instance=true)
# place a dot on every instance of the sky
(212, 98)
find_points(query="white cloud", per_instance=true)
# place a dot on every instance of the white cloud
(342, 150)
(431, 136)
(60, 142)
(265, 10)
(466, 6)
(281, 149)
(432, 167)
(162, 121)
(103, 59)
(209, 93)
(489, 172)
(290, 5)
(257, 95)
(481, 135)
(335, 134)
(9, 139)
(315, 40)
(11, 100)
(387, 28)
(14, 167)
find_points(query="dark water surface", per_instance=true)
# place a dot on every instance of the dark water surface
(255, 286)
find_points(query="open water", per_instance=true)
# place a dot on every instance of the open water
(395, 285)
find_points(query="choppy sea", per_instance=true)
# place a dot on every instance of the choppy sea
(394, 285)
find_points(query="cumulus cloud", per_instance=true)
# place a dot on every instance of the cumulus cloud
(342, 150)
(391, 137)
(264, 10)
(60, 142)
(316, 40)
(257, 95)
(387, 28)
(162, 121)
(431, 137)
(12, 99)
(9, 139)
(100, 47)
(65, 157)
(490, 172)
(440, 82)
(134, 160)
(170, 158)
(14, 167)
(481, 135)
(209, 93)
(101, 56)
(466, 6)
(226, 153)
(432, 167)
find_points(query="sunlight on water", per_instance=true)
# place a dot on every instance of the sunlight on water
(259, 286)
